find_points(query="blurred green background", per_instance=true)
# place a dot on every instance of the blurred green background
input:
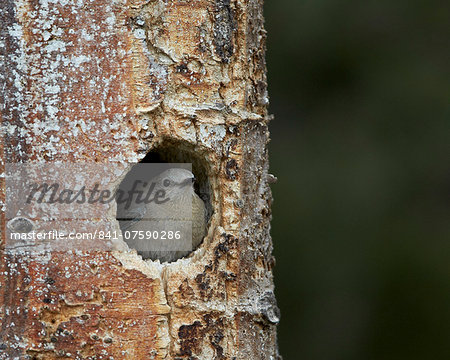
(360, 144)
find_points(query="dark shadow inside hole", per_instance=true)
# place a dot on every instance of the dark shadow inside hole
(178, 154)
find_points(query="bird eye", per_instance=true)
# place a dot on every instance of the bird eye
(166, 182)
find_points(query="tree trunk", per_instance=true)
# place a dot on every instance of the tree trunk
(110, 81)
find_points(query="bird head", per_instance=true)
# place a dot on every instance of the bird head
(176, 181)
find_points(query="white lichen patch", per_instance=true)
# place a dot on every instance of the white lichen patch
(68, 68)
(212, 135)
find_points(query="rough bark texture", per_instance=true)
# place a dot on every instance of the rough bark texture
(111, 80)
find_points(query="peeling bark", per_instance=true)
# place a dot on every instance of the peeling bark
(111, 80)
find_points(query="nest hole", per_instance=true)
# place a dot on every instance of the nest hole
(177, 154)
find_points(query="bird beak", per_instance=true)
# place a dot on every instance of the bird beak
(189, 181)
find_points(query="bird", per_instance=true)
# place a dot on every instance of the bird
(161, 229)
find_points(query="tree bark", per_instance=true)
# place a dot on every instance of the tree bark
(110, 81)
